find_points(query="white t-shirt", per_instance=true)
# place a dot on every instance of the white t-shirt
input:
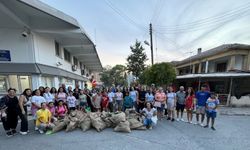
(48, 97)
(133, 95)
(149, 114)
(119, 96)
(71, 100)
(38, 100)
(111, 95)
(171, 97)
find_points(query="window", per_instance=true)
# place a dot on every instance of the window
(67, 56)
(47, 81)
(3, 84)
(75, 61)
(13, 81)
(57, 49)
(24, 82)
(221, 67)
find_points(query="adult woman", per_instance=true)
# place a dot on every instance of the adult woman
(36, 102)
(53, 91)
(48, 96)
(134, 95)
(24, 101)
(61, 95)
(160, 101)
(61, 110)
(150, 96)
(149, 112)
(189, 104)
(42, 90)
(171, 103)
(9, 107)
(142, 99)
(118, 100)
(96, 101)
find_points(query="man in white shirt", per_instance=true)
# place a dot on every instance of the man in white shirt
(111, 96)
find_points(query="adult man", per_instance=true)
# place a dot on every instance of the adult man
(201, 99)
(43, 121)
(180, 105)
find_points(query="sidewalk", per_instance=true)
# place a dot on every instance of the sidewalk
(233, 111)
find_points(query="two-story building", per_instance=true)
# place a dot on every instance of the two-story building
(42, 46)
(225, 69)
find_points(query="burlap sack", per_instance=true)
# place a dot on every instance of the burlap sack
(72, 113)
(123, 127)
(118, 117)
(59, 125)
(142, 128)
(71, 126)
(97, 121)
(134, 123)
(85, 124)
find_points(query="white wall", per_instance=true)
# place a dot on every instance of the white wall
(45, 54)
(211, 67)
(20, 47)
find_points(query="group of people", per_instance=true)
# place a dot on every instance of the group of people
(49, 105)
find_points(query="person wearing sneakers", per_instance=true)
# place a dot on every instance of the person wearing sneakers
(43, 121)
(201, 99)
(9, 110)
(211, 106)
(189, 104)
(180, 105)
(171, 103)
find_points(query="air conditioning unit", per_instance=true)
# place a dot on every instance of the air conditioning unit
(74, 67)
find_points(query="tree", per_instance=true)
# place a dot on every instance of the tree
(136, 60)
(113, 75)
(160, 74)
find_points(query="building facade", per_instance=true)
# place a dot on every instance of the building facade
(225, 69)
(41, 46)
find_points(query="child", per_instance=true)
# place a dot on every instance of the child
(211, 106)
(61, 110)
(52, 110)
(149, 113)
(71, 101)
(43, 121)
(105, 101)
(189, 104)
(128, 102)
(83, 101)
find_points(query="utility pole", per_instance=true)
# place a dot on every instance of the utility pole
(151, 42)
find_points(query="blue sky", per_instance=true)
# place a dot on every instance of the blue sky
(179, 26)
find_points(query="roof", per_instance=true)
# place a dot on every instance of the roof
(214, 75)
(47, 21)
(214, 51)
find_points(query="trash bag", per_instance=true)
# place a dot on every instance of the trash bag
(118, 117)
(134, 123)
(123, 127)
(97, 121)
(59, 125)
(85, 124)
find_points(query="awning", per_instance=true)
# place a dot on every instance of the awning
(213, 75)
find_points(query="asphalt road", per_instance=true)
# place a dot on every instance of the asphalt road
(232, 133)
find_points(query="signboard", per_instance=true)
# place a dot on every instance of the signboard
(5, 55)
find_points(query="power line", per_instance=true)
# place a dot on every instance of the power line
(124, 16)
(157, 11)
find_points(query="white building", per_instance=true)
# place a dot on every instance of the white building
(41, 46)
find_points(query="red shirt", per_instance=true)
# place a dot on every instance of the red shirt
(105, 101)
(189, 102)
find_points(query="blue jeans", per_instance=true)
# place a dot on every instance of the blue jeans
(147, 122)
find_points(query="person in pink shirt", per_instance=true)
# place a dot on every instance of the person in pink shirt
(61, 110)
(52, 110)
(160, 101)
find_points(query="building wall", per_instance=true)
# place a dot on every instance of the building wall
(45, 54)
(238, 62)
(20, 47)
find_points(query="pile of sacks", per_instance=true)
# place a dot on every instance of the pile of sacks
(120, 121)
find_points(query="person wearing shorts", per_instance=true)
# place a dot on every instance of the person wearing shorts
(180, 105)
(160, 100)
(171, 103)
(201, 98)
(211, 112)
(118, 100)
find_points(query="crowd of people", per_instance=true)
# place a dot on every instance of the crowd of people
(49, 105)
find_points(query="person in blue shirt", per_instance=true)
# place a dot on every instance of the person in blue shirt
(201, 99)
(211, 106)
(128, 102)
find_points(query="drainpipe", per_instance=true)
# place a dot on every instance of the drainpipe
(230, 91)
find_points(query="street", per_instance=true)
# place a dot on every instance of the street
(232, 133)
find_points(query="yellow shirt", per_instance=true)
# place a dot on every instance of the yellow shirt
(42, 116)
